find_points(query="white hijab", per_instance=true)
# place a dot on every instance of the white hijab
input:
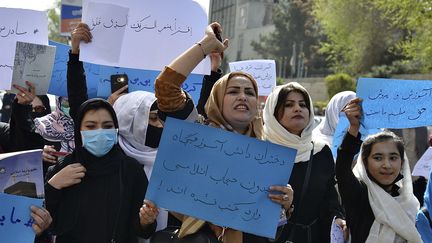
(133, 111)
(394, 216)
(276, 133)
(326, 129)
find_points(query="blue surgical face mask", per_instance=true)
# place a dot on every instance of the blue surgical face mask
(99, 142)
(65, 110)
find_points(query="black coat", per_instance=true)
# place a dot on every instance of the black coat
(319, 205)
(354, 193)
(104, 205)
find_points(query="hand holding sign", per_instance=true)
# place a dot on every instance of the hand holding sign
(16, 223)
(25, 96)
(284, 198)
(209, 43)
(148, 213)
(353, 112)
(80, 33)
(42, 219)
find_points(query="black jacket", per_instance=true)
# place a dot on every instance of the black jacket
(311, 219)
(354, 193)
(104, 205)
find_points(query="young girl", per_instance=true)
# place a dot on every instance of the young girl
(377, 194)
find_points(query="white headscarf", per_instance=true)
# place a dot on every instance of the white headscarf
(133, 111)
(394, 216)
(326, 129)
(276, 133)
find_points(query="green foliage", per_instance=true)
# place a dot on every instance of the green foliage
(359, 35)
(415, 16)
(397, 67)
(339, 82)
(370, 35)
(54, 24)
(320, 104)
(280, 81)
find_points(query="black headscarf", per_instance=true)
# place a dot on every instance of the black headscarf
(46, 103)
(106, 164)
(104, 175)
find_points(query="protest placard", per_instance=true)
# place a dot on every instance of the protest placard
(33, 63)
(219, 176)
(15, 219)
(342, 129)
(98, 77)
(58, 83)
(142, 34)
(392, 103)
(21, 186)
(263, 71)
(21, 173)
(18, 25)
(144, 80)
(336, 233)
(423, 165)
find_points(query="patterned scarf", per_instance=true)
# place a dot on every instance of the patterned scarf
(57, 127)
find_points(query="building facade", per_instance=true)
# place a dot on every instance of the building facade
(243, 21)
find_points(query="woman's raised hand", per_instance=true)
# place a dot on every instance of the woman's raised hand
(210, 43)
(25, 96)
(353, 111)
(80, 33)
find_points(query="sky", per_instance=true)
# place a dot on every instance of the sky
(28, 4)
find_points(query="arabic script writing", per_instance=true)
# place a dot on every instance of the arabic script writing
(395, 103)
(146, 23)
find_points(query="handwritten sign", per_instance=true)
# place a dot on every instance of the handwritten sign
(70, 15)
(139, 29)
(391, 103)
(114, 18)
(144, 80)
(263, 71)
(423, 165)
(21, 173)
(342, 129)
(58, 84)
(15, 219)
(33, 63)
(18, 25)
(219, 176)
(336, 233)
